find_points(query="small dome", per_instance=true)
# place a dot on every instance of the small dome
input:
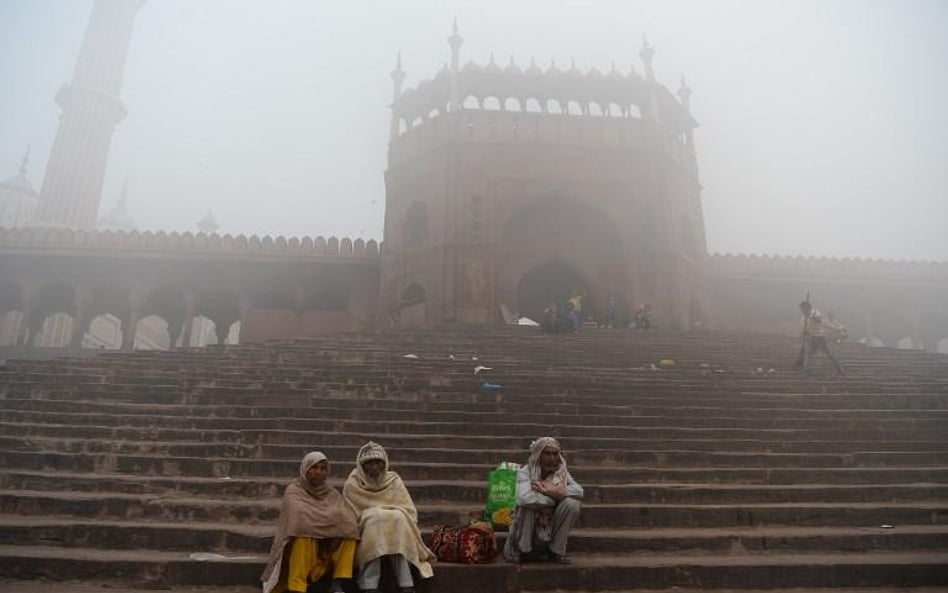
(492, 66)
(116, 219)
(18, 199)
(512, 68)
(208, 224)
(532, 69)
(553, 70)
(471, 67)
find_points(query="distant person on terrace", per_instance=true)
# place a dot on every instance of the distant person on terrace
(818, 331)
(388, 522)
(316, 534)
(547, 506)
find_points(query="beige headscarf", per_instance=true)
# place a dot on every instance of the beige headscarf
(560, 475)
(308, 511)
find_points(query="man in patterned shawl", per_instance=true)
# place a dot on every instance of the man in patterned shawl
(547, 505)
(316, 533)
(388, 522)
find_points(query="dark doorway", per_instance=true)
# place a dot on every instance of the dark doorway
(552, 282)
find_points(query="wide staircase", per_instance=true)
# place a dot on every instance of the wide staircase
(708, 462)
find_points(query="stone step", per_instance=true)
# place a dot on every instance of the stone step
(721, 428)
(178, 508)
(26, 431)
(156, 569)
(230, 538)
(235, 467)
(595, 414)
(19, 586)
(474, 491)
(583, 457)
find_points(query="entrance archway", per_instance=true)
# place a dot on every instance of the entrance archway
(551, 282)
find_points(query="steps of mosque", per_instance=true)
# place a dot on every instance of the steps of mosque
(255, 538)
(922, 455)
(460, 491)
(447, 470)
(589, 572)
(178, 508)
(714, 472)
(41, 586)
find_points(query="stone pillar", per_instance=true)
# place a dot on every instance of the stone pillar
(91, 109)
(130, 324)
(188, 325)
(80, 318)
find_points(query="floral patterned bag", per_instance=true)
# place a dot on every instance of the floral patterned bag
(473, 544)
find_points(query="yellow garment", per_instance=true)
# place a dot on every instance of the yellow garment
(306, 565)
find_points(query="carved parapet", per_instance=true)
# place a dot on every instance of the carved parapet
(121, 242)
(741, 265)
(592, 93)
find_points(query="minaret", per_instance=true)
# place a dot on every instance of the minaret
(684, 94)
(455, 42)
(647, 53)
(91, 109)
(398, 77)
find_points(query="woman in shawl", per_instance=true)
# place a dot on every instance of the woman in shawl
(547, 505)
(388, 522)
(316, 533)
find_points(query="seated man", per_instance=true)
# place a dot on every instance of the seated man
(388, 522)
(316, 533)
(547, 505)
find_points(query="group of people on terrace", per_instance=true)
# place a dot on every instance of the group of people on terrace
(324, 534)
(570, 316)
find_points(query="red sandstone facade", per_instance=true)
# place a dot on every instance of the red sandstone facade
(505, 186)
(514, 187)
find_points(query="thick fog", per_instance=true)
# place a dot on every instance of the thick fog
(823, 124)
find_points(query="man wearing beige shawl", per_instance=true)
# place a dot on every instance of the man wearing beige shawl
(388, 522)
(316, 533)
(547, 505)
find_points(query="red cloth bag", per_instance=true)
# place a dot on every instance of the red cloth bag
(473, 544)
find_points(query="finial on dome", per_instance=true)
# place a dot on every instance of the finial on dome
(455, 39)
(646, 53)
(207, 224)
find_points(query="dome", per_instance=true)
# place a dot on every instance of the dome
(18, 199)
(208, 224)
(512, 68)
(471, 67)
(532, 70)
(118, 218)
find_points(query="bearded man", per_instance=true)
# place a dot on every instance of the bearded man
(547, 506)
(388, 522)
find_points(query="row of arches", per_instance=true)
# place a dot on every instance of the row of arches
(123, 314)
(105, 332)
(534, 105)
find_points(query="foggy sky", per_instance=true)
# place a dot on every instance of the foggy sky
(823, 124)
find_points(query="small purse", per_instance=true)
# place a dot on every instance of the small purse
(472, 544)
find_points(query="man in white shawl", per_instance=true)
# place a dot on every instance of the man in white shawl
(388, 522)
(316, 533)
(547, 505)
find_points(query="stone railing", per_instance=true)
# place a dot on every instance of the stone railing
(147, 241)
